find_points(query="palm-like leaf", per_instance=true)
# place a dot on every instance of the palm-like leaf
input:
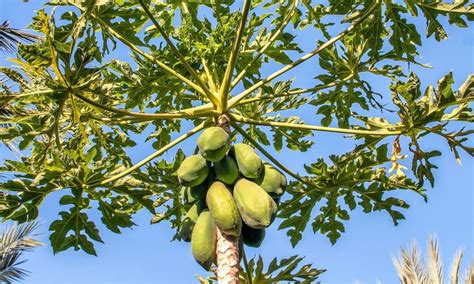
(410, 266)
(469, 274)
(434, 263)
(413, 270)
(13, 242)
(10, 37)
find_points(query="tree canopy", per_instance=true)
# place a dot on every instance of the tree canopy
(75, 109)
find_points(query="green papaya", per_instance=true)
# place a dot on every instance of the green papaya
(214, 143)
(252, 237)
(226, 170)
(187, 225)
(193, 194)
(272, 181)
(203, 240)
(256, 207)
(223, 209)
(193, 171)
(248, 161)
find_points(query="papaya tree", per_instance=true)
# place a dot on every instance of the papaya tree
(226, 71)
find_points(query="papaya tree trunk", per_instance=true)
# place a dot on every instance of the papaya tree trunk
(227, 253)
(227, 249)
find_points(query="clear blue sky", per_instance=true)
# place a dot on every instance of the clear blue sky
(363, 254)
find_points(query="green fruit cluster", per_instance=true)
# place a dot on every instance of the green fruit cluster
(229, 188)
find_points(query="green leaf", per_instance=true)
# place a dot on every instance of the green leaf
(286, 269)
(74, 230)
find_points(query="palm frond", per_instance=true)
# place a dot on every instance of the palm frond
(410, 267)
(412, 270)
(10, 37)
(13, 242)
(456, 266)
(469, 275)
(434, 262)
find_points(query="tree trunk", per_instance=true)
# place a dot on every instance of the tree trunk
(227, 252)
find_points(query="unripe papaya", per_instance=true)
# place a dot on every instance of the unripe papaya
(248, 161)
(203, 240)
(272, 181)
(223, 209)
(193, 171)
(214, 143)
(256, 207)
(193, 194)
(226, 170)
(187, 225)
(252, 237)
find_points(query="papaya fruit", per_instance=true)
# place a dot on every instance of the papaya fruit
(223, 209)
(195, 193)
(256, 207)
(214, 143)
(203, 240)
(272, 181)
(193, 171)
(187, 225)
(226, 170)
(248, 161)
(252, 237)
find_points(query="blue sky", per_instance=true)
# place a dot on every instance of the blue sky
(363, 254)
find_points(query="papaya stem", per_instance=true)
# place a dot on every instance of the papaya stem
(246, 264)
(186, 113)
(39, 92)
(294, 92)
(247, 120)
(226, 81)
(152, 156)
(209, 76)
(266, 46)
(180, 56)
(227, 258)
(304, 58)
(120, 120)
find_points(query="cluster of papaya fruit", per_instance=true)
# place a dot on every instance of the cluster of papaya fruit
(230, 188)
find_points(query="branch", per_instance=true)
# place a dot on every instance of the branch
(224, 90)
(181, 58)
(302, 59)
(295, 92)
(246, 264)
(121, 120)
(266, 46)
(186, 113)
(447, 8)
(39, 92)
(152, 156)
(312, 127)
(212, 84)
(275, 161)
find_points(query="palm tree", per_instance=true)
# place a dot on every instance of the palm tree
(9, 39)
(13, 242)
(413, 270)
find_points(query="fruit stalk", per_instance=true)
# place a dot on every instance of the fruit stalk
(227, 253)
